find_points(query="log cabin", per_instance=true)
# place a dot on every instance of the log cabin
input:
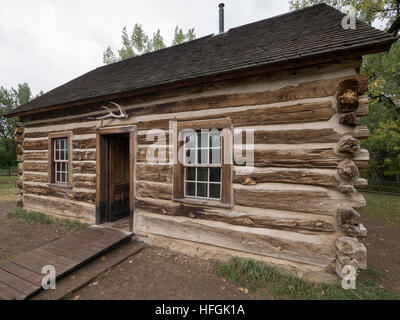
(244, 143)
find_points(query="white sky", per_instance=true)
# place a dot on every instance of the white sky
(49, 42)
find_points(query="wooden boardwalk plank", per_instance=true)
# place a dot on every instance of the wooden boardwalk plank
(17, 283)
(19, 271)
(21, 276)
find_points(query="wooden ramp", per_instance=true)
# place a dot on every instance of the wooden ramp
(21, 276)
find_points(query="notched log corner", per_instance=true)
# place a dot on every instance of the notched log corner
(347, 170)
(343, 261)
(347, 96)
(349, 146)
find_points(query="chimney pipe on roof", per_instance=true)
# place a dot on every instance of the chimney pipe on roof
(221, 17)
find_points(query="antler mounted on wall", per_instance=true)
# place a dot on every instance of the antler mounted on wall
(122, 113)
(111, 115)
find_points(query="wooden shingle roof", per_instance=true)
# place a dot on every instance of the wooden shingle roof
(307, 33)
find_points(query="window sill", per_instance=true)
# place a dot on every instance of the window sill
(209, 203)
(60, 185)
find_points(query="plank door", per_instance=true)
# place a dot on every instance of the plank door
(118, 178)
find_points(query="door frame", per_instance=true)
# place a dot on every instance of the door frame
(102, 174)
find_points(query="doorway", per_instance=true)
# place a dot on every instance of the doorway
(115, 174)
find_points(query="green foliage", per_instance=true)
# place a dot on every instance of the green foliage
(383, 70)
(366, 10)
(139, 43)
(256, 275)
(43, 219)
(384, 147)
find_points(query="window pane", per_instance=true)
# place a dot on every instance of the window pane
(215, 191)
(215, 156)
(191, 174)
(190, 141)
(64, 177)
(190, 189)
(58, 177)
(202, 139)
(202, 174)
(215, 138)
(215, 175)
(202, 156)
(202, 190)
(190, 156)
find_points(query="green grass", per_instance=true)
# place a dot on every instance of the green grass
(43, 219)
(257, 276)
(383, 206)
(7, 188)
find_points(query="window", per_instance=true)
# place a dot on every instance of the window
(60, 160)
(202, 173)
(60, 164)
(202, 164)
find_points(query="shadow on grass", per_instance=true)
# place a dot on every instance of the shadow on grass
(257, 277)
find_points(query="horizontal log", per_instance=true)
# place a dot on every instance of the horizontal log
(298, 113)
(36, 155)
(305, 199)
(83, 155)
(154, 173)
(84, 144)
(31, 177)
(142, 139)
(318, 157)
(311, 249)
(57, 192)
(300, 136)
(156, 155)
(249, 217)
(153, 190)
(60, 206)
(86, 182)
(36, 144)
(318, 177)
(75, 131)
(84, 167)
(35, 166)
(304, 90)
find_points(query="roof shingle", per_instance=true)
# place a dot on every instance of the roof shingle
(309, 32)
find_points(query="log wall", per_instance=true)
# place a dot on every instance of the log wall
(306, 160)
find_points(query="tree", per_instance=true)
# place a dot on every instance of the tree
(367, 10)
(139, 43)
(10, 99)
(383, 70)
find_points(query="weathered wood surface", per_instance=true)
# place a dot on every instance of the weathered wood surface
(150, 154)
(312, 249)
(317, 157)
(36, 156)
(84, 144)
(318, 177)
(300, 136)
(241, 216)
(84, 167)
(154, 173)
(88, 182)
(315, 200)
(21, 277)
(31, 177)
(304, 90)
(55, 191)
(36, 144)
(36, 166)
(60, 206)
(75, 131)
(153, 190)
(83, 155)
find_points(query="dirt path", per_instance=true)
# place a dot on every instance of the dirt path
(17, 237)
(161, 274)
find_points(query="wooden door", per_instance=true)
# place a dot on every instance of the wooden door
(119, 174)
